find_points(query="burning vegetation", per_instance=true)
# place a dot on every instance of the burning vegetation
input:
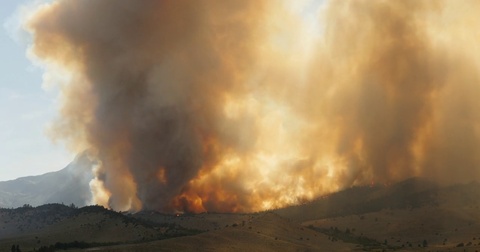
(247, 105)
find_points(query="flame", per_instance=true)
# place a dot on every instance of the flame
(245, 105)
(162, 178)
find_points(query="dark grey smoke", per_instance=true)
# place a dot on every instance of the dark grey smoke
(219, 105)
(149, 80)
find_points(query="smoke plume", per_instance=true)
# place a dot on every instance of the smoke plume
(241, 105)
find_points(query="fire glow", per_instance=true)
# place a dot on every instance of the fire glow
(247, 105)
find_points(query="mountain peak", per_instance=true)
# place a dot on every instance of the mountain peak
(69, 185)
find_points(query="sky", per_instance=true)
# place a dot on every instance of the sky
(26, 108)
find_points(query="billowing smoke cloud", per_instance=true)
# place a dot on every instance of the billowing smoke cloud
(397, 91)
(240, 106)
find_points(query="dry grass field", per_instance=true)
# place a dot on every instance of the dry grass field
(261, 232)
(413, 215)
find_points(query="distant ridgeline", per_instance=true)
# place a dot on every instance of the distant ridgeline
(69, 186)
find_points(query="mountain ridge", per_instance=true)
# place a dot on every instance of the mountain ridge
(69, 185)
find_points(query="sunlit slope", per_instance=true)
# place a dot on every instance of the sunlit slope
(412, 215)
(413, 192)
(402, 216)
(263, 232)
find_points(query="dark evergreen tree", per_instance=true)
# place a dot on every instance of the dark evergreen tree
(425, 244)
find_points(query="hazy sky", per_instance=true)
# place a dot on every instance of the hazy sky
(25, 108)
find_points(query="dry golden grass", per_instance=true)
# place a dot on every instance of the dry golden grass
(403, 216)
(265, 232)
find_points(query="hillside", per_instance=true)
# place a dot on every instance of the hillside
(262, 232)
(413, 215)
(414, 192)
(46, 225)
(69, 185)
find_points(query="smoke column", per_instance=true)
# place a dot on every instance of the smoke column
(241, 105)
